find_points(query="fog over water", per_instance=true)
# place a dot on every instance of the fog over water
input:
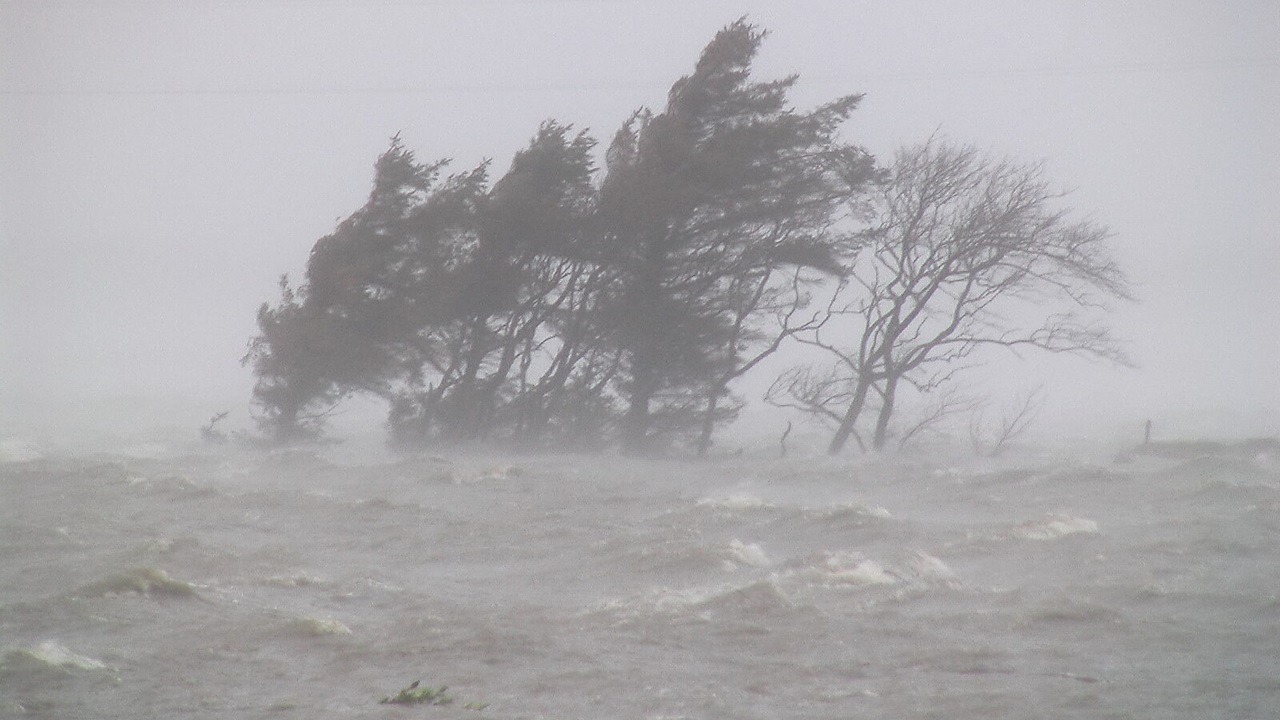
(163, 164)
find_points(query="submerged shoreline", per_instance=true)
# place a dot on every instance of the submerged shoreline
(302, 585)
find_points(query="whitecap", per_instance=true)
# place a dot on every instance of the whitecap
(738, 501)
(844, 567)
(747, 554)
(750, 599)
(49, 655)
(1056, 526)
(850, 509)
(143, 580)
(657, 600)
(865, 572)
(929, 567)
(318, 626)
(301, 579)
(753, 597)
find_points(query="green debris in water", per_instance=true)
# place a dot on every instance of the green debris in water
(415, 695)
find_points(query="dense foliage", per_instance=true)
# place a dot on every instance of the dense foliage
(566, 305)
(574, 306)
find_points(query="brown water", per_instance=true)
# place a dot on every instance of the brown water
(291, 586)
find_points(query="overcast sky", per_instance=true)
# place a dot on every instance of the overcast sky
(161, 163)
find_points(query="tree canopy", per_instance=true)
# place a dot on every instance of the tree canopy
(562, 304)
(585, 300)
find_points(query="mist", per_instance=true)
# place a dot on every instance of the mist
(1088, 531)
(164, 165)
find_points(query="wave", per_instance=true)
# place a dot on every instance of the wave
(753, 599)
(141, 581)
(841, 567)
(787, 587)
(49, 658)
(1070, 610)
(737, 501)
(750, 598)
(689, 555)
(1055, 526)
(750, 554)
(845, 514)
(308, 626)
(299, 579)
(172, 485)
(851, 567)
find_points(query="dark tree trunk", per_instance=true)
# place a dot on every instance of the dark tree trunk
(881, 436)
(644, 386)
(709, 421)
(287, 430)
(850, 419)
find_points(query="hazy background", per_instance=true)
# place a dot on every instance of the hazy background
(162, 163)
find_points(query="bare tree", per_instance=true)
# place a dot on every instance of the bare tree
(1015, 419)
(963, 252)
(780, 292)
(934, 416)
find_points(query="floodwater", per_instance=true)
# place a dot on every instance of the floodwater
(304, 586)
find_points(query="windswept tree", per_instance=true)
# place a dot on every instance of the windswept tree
(964, 252)
(340, 331)
(517, 331)
(559, 305)
(464, 306)
(294, 390)
(703, 208)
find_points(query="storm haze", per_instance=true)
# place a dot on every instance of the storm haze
(164, 164)
(1017, 453)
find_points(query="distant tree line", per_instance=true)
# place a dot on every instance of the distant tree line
(567, 305)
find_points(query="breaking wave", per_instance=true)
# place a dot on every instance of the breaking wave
(49, 658)
(141, 581)
(1056, 526)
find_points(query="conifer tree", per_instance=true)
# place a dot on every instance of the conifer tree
(702, 205)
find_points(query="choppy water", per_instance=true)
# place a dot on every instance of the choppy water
(292, 587)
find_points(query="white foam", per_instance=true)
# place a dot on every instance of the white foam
(748, 554)
(846, 567)
(929, 567)
(865, 572)
(319, 627)
(738, 501)
(852, 508)
(1056, 526)
(669, 601)
(50, 654)
(300, 579)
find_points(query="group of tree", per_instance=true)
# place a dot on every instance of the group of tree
(573, 306)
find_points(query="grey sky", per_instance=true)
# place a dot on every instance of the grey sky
(161, 163)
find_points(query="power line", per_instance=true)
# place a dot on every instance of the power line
(509, 87)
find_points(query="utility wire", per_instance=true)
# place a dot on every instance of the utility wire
(508, 87)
